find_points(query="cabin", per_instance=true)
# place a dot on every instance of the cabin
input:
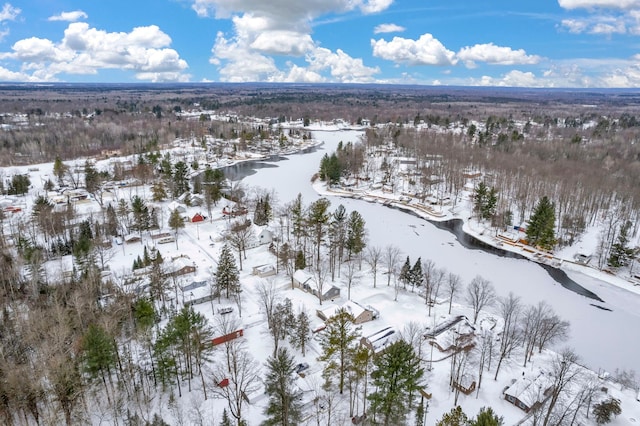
(529, 391)
(359, 313)
(306, 282)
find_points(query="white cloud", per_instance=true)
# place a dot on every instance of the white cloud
(9, 12)
(286, 12)
(73, 16)
(575, 26)
(601, 24)
(514, 78)
(496, 55)
(8, 75)
(375, 6)
(388, 28)
(603, 4)
(343, 68)
(282, 28)
(85, 50)
(283, 42)
(427, 50)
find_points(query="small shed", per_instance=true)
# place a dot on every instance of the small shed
(264, 271)
(197, 218)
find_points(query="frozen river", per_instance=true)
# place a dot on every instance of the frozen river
(604, 339)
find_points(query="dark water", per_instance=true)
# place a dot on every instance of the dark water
(470, 242)
(241, 170)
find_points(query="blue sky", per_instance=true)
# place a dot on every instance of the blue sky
(526, 43)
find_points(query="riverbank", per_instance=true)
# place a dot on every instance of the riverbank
(486, 238)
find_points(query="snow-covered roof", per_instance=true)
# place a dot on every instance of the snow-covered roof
(530, 388)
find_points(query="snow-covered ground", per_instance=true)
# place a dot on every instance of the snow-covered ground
(604, 339)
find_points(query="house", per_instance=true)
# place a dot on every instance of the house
(196, 200)
(180, 266)
(132, 238)
(264, 271)
(264, 236)
(529, 391)
(174, 205)
(306, 282)
(359, 313)
(454, 334)
(381, 339)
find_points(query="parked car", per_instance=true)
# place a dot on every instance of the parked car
(301, 367)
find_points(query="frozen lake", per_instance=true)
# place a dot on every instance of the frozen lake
(604, 339)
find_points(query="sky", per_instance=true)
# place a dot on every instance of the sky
(524, 43)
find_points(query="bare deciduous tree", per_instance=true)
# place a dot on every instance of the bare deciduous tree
(454, 286)
(373, 258)
(480, 294)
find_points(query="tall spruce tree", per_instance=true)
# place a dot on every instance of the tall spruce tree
(487, 417)
(227, 276)
(338, 344)
(621, 253)
(283, 408)
(356, 233)
(541, 228)
(396, 378)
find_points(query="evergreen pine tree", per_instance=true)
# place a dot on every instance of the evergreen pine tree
(455, 417)
(405, 273)
(486, 417)
(604, 410)
(226, 421)
(480, 197)
(416, 273)
(356, 233)
(227, 276)
(540, 231)
(283, 408)
(338, 344)
(301, 334)
(396, 378)
(621, 253)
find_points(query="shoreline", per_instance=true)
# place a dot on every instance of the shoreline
(556, 267)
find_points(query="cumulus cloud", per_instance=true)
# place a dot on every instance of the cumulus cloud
(603, 4)
(85, 50)
(496, 55)
(73, 16)
(286, 12)
(262, 30)
(343, 68)
(388, 28)
(9, 12)
(427, 50)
